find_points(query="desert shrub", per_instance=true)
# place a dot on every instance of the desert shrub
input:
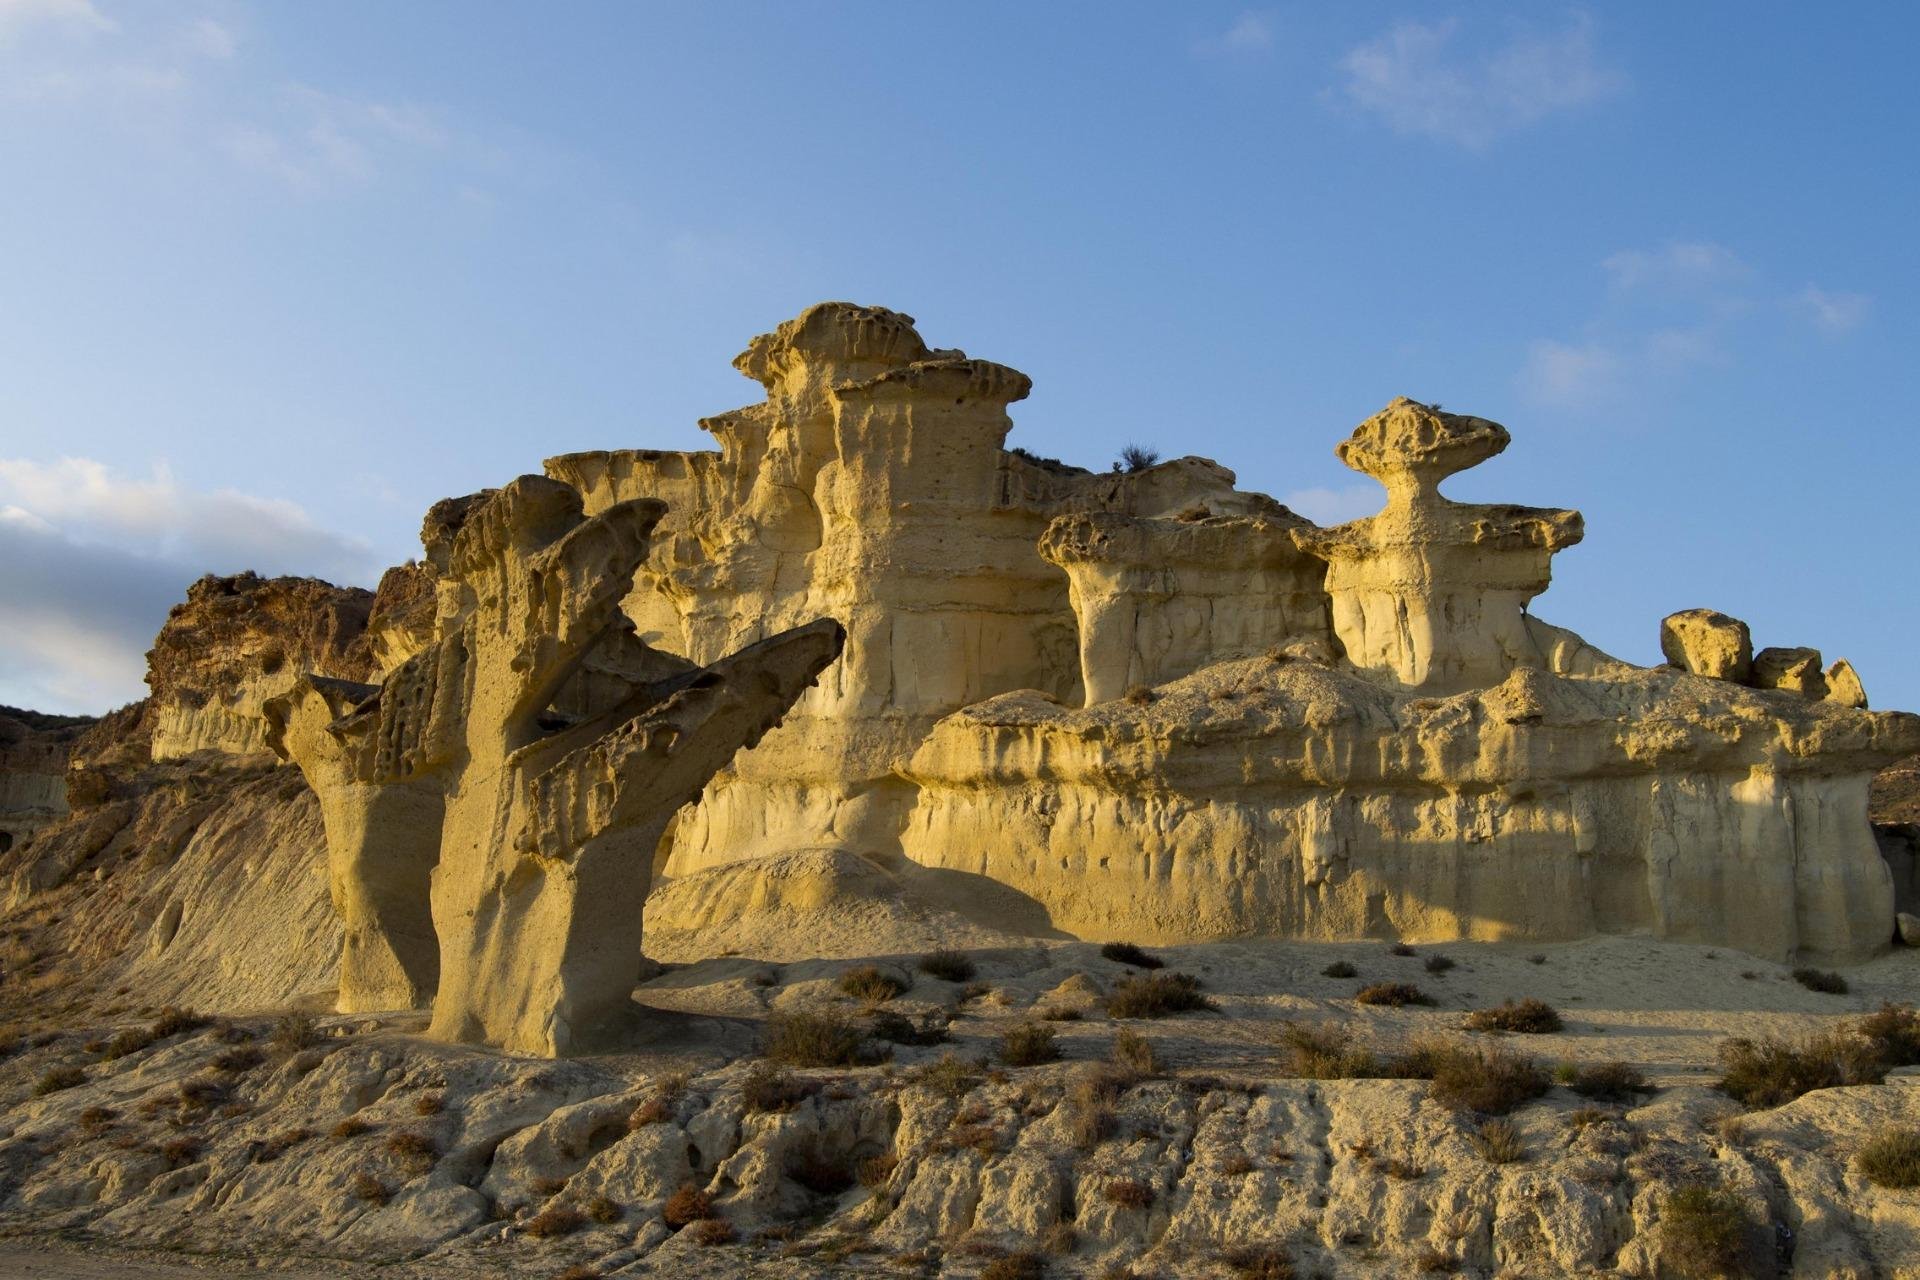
(1340, 969)
(414, 1150)
(1258, 1262)
(580, 1271)
(293, 1032)
(58, 1078)
(1128, 1193)
(1156, 995)
(127, 1043)
(429, 1104)
(173, 1021)
(95, 1119)
(1028, 1044)
(818, 1172)
(1392, 994)
(1133, 1052)
(1060, 1239)
(547, 1188)
(1491, 1081)
(238, 1060)
(281, 1143)
(178, 1150)
(1438, 964)
(876, 1171)
(652, 1111)
(351, 1127)
(1324, 1053)
(1498, 1142)
(369, 1188)
(1432, 1261)
(948, 965)
(688, 1204)
(770, 1088)
(951, 1076)
(1399, 949)
(1138, 695)
(1060, 1013)
(709, 1232)
(1608, 1082)
(1893, 1033)
(1892, 1159)
(897, 1028)
(1771, 1071)
(1537, 958)
(807, 1039)
(554, 1220)
(604, 1211)
(1127, 953)
(871, 984)
(1703, 1234)
(1022, 1265)
(1528, 1017)
(1136, 457)
(1821, 980)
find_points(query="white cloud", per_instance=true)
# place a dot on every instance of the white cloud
(1336, 506)
(1560, 373)
(1837, 312)
(325, 140)
(90, 562)
(1414, 80)
(72, 15)
(1677, 268)
(1251, 32)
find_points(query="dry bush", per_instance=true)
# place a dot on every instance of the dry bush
(413, 1149)
(897, 1028)
(1340, 969)
(1060, 1239)
(1609, 1082)
(1537, 958)
(604, 1211)
(1127, 953)
(1498, 1142)
(1028, 1044)
(238, 1061)
(172, 1021)
(876, 1171)
(688, 1204)
(1772, 1070)
(768, 1088)
(1128, 1193)
(1133, 1052)
(1438, 964)
(805, 1039)
(1704, 1234)
(293, 1032)
(127, 1043)
(580, 1271)
(1821, 980)
(1258, 1262)
(1400, 949)
(58, 1078)
(1526, 1017)
(948, 965)
(1023, 1265)
(1893, 1033)
(1892, 1159)
(1091, 1118)
(1392, 994)
(871, 984)
(179, 1150)
(547, 1188)
(1060, 1013)
(95, 1119)
(1490, 1080)
(553, 1221)
(1236, 1166)
(951, 1076)
(429, 1104)
(369, 1188)
(281, 1143)
(1139, 695)
(1581, 1117)
(709, 1232)
(351, 1127)
(1324, 1053)
(1401, 1169)
(1156, 995)
(1431, 1261)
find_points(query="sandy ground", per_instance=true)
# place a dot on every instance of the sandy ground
(53, 1262)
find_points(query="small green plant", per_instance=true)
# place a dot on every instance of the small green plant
(1127, 953)
(1498, 1142)
(1770, 1071)
(553, 1221)
(1526, 1017)
(807, 1039)
(948, 965)
(1392, 995)
(1704, 1234)
(58, 1078)
(1821, 980)
(1156, 995)
(1128, 1193)
(1028, 1044)
(1340, 969)
(871, 984)
(1892, 1159)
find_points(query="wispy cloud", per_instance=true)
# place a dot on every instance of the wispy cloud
(1676, 268)
(1418, 81)
(1834, 313)
(1251, 32)
(71, 16)
(1564, 373)
(1336, 506)
(322, 140)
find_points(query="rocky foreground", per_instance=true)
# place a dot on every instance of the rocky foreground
(1194, 1144)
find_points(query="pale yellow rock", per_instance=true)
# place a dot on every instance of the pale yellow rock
(1794, 670)
(1705, 642)
(1844, 687)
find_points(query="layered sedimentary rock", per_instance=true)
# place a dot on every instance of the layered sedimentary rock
(34, 751)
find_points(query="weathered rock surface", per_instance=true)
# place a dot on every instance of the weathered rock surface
(34, 752)
(1795, 670)
(1706, 642)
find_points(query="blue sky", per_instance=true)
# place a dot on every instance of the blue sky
(274, 277)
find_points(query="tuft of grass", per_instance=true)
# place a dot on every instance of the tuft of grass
(580, 1271)
(1431, 1261)
(876, 1171)
(1156, 995)
(179, 1150)
(1527, 1017)
(807, 1039)
(414, 1150)
(604, 1211)
(351, 1127)
(293, 1032)
(1893, 1034)
(687, 1205)
(1133, 1052)
(1608, 1082)
(1258, 1262)
(1339, 969)
(1139, 695)
(58, 1078)
(768, 1088)
(429, 1104)
(238, 1060)
(871, 984)
(948, 965)
(369, 1188)
(554, 1221)
(172, 1021)
(1393, 995)
(897, 1028)
(1538, 957)
(1770, 1071)
(951, 1076)
(1498, 1142)
(1127, 953)
(1324, 1053)
(1489, 1080)
(1059, 1013)
(1399, 949)
(126, 1043)
(1703, 1234)
(1438, 964)
(1821, 980)
(1021, 1265)
(1892, 1159)
(281, 1143)
(1128, 1193)
(1028, 1044)
(709, 1232)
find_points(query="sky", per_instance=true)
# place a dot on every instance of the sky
(274, 277)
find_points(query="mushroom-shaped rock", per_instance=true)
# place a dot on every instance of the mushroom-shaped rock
(1844, 687)
(1706, 642)
(1794, 670)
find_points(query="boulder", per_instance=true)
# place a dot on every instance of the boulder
(1844, 687)
(1795, 670)
(1706, 642)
